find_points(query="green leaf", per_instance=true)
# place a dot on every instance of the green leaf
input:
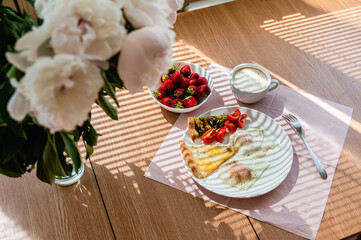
(44, 173)
(108, 108)
(10, 173)
(5, 93)
(10, 13)
(59, 144)
(53, 160)
(15, 26)
(90, 136)
(72, 149)
(14, 73)
(76, 133)
(13, 168)
(34, 144)
(89, 150)
(113, 76)
(27, 24)
(11, 145)
(108, 88)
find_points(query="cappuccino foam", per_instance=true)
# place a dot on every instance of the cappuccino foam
(250, 79)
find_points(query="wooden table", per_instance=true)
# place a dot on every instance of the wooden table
(311, 46)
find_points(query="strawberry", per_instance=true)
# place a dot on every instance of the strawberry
(177, 103)
(170, 95)
(166, 101)
(160, 93)
(179, 93)
(172, 69)
(203, 91)
(184, 83)
(195, 75)
(190, 102)
(164, 77)
(193, 81)
(202, 81)
(192, 90)
(168, 84)
(185, 70)
(176, 77)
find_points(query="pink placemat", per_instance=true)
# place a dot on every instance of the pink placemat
(298, 204)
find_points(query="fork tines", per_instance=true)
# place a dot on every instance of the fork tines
(289, 117)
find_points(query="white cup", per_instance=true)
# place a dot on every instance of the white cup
(251, 88)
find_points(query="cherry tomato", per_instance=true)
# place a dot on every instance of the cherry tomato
(241, 122)
(209, 136)
(220, 134)
(230, 125)
(234, 116)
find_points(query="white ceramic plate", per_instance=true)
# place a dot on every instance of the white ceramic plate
(280, 158)
(194, 69)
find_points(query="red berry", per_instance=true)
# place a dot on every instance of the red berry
(160, 93)
(203, 91)
(192, 90)
(179, 93)
(177, 103)
(172, 69)
(193, 81)
(176, 77)
(163, 77)
(185, 70)
(202, 81)
(168, 84)
(195, 75)
(166, 101)
(190, 102)
(184, 83)
(170, 95)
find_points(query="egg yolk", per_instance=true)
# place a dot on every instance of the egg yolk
(240, 172)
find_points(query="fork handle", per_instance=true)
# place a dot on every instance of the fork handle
(321, 170)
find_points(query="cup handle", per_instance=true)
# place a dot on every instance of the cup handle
(274, 84)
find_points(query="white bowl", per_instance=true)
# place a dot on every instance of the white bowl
(194, 69)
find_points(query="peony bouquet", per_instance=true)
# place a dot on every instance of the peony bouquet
(53, 69)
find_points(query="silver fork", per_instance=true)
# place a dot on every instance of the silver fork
(297, 125)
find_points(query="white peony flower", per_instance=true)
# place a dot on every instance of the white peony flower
(43, 7)
(174, 6)
(58, 91)
(93, 29)
(145, 56)
(31, 46)
(152, 12)
(90, 28)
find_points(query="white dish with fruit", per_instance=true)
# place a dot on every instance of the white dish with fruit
(185, 87)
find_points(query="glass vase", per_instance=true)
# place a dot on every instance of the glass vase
(70, 180)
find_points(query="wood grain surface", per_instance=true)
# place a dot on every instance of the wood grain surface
(30, 209)
(311, 46)
(230, 34)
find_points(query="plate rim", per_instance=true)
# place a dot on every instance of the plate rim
(289, 151)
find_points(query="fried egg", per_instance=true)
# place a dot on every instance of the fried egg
(251, 142)
(246, 167)
(242, 173)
